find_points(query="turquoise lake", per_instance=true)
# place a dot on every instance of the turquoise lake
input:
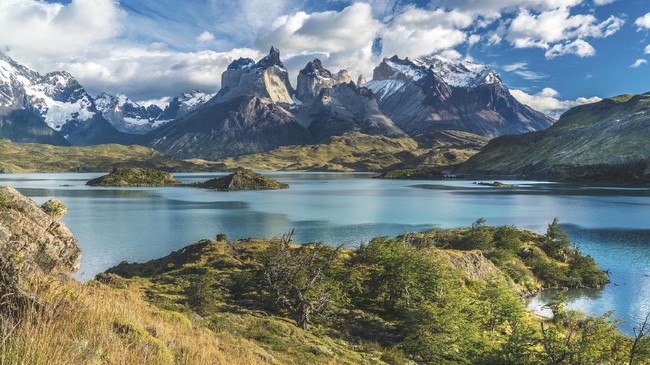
(139, 224)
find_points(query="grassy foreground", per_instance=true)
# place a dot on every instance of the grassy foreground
(437, 297)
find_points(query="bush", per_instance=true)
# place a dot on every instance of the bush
(221, 237)
(55, 208)
(5, 202)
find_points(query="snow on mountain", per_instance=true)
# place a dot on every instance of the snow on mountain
(465, 73)
(182, 105)
(439, 93)
(126, 115)
(56, 96)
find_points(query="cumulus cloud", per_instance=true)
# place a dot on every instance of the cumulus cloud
(143, 72)
(578, 47)
(603, 2)
(345, 38)
(638, 63)
(205, 37)
(34, 27)
(559, 32)
(547, 101)
(647, 49)
(417, 32)
(643, 22)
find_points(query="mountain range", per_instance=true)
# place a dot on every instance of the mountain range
(55, 109)
(257, 108)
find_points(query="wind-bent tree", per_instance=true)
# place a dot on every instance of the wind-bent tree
(301, 280)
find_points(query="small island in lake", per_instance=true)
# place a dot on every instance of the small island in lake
(496, 184)
(424, 173)
(135, 177)
(242, 180)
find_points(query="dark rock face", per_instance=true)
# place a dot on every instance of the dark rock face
(314, 78)
(437, 93)
(32, 240)
(348, 108)
(238, 126)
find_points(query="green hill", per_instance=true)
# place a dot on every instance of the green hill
(360, 152)
(603, 141)
(34, 157)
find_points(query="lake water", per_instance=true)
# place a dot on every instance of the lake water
(139, 224)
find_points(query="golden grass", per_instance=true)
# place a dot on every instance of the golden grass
(96, 324)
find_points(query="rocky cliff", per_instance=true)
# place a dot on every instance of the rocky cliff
(32, 239)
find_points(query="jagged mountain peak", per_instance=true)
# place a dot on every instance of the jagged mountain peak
(315, 68)
(241, 63)
(314, 77)
(270, 60)
(267, 79)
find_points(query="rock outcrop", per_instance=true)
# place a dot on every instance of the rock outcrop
(135, 177)
(242, 180)
(32, 240)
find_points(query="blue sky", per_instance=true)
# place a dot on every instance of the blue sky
(553, 53)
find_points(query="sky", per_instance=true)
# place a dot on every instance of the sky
(552, 54)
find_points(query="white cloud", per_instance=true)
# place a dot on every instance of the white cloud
(638, 63)
(144, 73)
(473, 39)
(643, 22)
(417, 32)
(205, 37)
(547, 101)
(521, 69)
(31, 27)
(558, 25)
(603, 2)
(559, 32)
(495, 8)
(343, 39)
(515, 66)
(578, 47)
(647, 49)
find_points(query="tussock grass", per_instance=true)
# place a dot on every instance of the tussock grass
(93, 323)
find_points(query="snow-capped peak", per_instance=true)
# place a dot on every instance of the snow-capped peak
(57, 96)
(461, 73)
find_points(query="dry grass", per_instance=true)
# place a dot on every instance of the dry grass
(96, 324)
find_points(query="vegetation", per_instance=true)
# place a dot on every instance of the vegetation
(437, 297)
(604, 141)
(55, 208)
(496, 184)
(241, 180)
(33, 157)
(135, 176)
(425, 173)
(428, 297)
(360, 152)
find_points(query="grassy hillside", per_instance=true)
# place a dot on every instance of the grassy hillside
(360, 152)
(32, 157)
(429, 298)
(604, 141)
